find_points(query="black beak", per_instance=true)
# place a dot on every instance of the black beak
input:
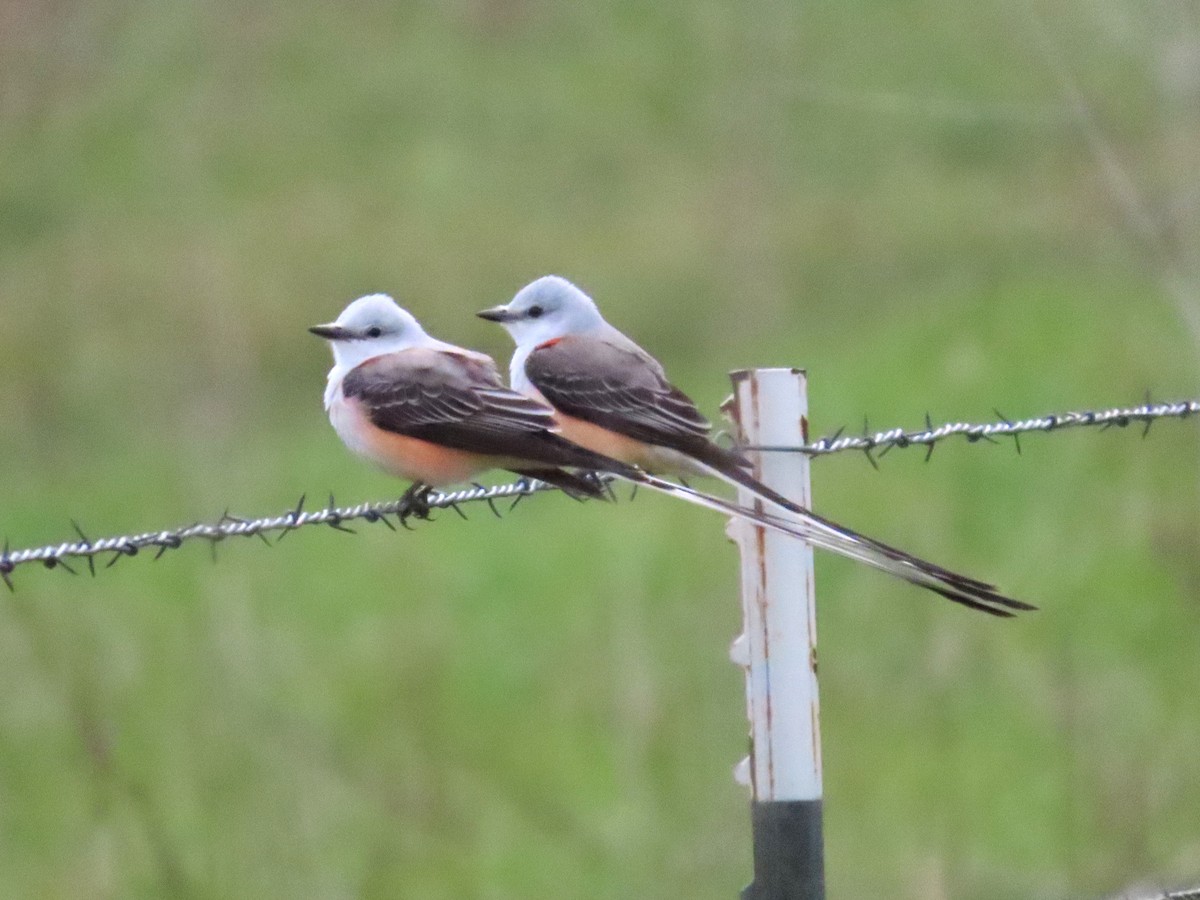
(498, 314)
(330, 332)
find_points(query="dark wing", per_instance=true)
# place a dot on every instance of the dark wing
(447, 398)
(621, 388)
(459, 401)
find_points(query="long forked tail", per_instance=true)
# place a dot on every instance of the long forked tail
(829, 535)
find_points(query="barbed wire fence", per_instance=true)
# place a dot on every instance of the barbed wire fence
(874, 445)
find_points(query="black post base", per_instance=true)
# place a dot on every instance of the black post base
(789, 851)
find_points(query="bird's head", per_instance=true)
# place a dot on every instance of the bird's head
(368, 327)
(543, 310)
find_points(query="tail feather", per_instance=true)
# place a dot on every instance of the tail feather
(708, 501)
(798, 523)
(829, 535)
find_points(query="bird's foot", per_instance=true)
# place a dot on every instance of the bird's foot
(415, 502)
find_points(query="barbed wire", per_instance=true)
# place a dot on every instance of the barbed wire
(885, 441)
(1158, 894)
(407, 507)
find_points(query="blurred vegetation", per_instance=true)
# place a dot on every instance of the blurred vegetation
(930, 205)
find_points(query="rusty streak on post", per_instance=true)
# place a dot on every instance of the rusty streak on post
(778, 648)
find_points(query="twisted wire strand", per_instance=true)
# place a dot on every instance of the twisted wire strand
(56, 555)
(884, 441)
(1159, 894)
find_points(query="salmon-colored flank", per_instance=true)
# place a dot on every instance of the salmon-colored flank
(406, 457)
(601, 440)
(654, 459)
(419, 460)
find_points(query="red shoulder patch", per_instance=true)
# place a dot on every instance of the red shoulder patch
(546, 344)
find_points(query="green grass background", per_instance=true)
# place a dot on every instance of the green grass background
(909, 199)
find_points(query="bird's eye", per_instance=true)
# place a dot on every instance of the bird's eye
(374, 331)
(535, 312)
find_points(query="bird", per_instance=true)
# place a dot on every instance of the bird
(435, 414)
(614, 398)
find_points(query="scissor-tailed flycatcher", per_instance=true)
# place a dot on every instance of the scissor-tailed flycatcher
(613, 397)
(438, 414)
(435, 413)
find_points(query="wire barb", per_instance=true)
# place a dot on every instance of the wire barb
(83, 537)
(868, 444)
(334, 517)
(6, 566)
(292, 518)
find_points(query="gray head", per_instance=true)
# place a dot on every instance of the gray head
(543, 310)
(371, 326)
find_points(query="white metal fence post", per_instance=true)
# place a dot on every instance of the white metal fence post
(778, 648)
